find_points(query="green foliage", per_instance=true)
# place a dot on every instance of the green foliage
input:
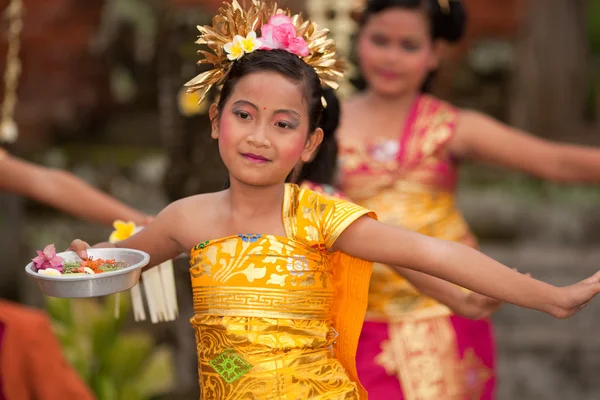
(114, 364)
(593, 24)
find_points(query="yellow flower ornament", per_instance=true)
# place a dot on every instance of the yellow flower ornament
(123, 230)
(242, 45)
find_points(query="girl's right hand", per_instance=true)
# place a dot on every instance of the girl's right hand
(80, 247)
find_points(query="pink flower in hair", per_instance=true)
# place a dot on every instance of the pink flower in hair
(280, 33)
(298, 46)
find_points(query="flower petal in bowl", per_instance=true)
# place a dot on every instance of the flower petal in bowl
(84, 285)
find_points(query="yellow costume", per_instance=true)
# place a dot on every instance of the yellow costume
(269, 309)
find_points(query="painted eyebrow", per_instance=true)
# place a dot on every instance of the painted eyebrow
(246, 102)
(281, 110)
(287, 111)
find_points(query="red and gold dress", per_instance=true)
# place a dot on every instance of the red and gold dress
(411, 345)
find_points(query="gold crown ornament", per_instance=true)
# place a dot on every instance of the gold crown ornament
(234, 33)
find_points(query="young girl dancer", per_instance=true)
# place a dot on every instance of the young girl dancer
(279, 273)
(400, 151)
(319, 175)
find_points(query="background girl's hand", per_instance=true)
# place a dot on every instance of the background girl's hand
(146, 221)
(80, 247)
(480, 306)
(574, 298)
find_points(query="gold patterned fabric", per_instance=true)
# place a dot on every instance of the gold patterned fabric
(268, 309)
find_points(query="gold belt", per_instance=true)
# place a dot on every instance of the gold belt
(263, 302)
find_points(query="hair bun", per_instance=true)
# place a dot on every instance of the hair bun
(449, 23)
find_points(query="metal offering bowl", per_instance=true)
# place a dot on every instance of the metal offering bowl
(79, 286)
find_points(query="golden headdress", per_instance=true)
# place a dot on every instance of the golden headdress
(234, 33)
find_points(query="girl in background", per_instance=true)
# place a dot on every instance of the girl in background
(319, 175)
(400, 151)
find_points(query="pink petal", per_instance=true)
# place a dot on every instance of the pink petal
(49, 251)
(284, 33)
(266, 39)
(42, 265)
(56, 261)
(298, 46)
(39, 260)
(264, 45)
(280, 19)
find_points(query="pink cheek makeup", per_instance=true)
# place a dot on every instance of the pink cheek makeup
(225, 130)
(293, 151)
(224, 140)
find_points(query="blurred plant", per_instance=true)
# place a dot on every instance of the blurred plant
(141, 15)
(114, 364)
(593, 26)
(126, 40)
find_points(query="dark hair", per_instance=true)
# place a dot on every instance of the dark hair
(322, 168)
(285, 63)
(445, 24)
(448, 25)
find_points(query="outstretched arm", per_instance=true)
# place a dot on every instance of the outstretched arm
(64, 191)
(466, 304)
(463, 266)
(481, 138)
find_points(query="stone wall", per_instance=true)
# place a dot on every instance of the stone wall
(541, 357)
(550, 231)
